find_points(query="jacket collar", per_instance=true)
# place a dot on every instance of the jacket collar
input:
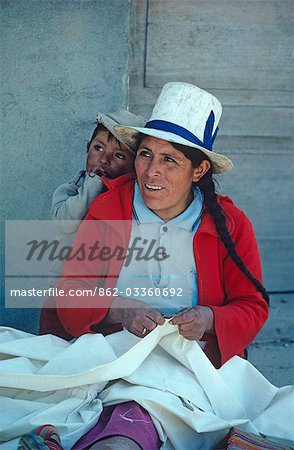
(116, 202)
(119, 181)
(121, 190)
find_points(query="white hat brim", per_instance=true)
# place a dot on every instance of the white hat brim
(220, 163)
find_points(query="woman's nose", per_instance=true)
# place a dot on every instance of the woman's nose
(153, 168)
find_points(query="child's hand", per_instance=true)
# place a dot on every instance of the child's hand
(94, 174)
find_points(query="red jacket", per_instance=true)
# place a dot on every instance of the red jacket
(239, 309)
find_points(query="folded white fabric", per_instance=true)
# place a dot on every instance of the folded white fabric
(44, 379)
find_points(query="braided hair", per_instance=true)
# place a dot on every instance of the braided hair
(207, 187)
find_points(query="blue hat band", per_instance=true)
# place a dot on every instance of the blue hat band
(208, 137)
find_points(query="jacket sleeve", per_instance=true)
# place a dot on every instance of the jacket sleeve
(245, 311)
(88, 278)
(71, 200)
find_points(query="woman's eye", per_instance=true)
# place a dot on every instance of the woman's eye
(143, 153)
(98, 148)
(169, 159)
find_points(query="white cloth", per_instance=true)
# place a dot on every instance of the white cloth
(47, 380)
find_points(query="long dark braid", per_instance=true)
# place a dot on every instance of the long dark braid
(207, 187)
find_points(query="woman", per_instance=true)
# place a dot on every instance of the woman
(215, 259)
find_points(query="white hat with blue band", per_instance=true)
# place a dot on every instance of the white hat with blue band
(187, 115)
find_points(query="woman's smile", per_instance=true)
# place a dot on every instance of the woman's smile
(153, 187)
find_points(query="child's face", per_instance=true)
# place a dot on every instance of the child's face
(106, 157)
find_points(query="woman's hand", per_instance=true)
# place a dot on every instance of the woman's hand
(194, 322)
(136, 316)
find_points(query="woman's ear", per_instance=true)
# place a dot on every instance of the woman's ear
(201, 170)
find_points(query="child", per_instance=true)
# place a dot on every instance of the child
(107, 154)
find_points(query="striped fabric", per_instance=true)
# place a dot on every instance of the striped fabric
(239, 440)
(45, 437)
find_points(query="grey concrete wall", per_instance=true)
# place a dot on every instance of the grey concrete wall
(62, 61)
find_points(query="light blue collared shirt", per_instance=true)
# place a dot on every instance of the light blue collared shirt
(170, 278)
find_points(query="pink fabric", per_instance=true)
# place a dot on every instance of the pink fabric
(126, 419)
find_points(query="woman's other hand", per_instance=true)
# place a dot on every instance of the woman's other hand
(194, 322)
(136, 316)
